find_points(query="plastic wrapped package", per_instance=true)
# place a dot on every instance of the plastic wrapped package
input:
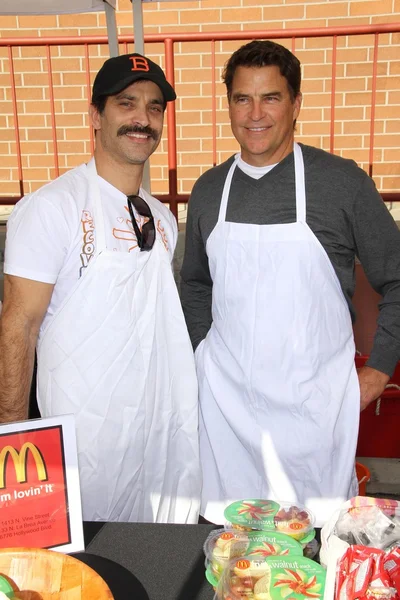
(222, 545)
(375, 526)
(291, 519)
(266, 515)
(360, 547)
(271, 578)
(366, 573)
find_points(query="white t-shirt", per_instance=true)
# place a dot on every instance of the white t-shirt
(254, 172)
(51, 235)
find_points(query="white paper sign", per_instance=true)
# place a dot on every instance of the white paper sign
(40, 500)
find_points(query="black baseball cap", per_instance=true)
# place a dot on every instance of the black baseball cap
(120, 71)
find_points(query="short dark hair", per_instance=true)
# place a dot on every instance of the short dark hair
(264, 53)
(100, 104)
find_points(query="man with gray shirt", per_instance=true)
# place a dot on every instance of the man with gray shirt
(267, 282)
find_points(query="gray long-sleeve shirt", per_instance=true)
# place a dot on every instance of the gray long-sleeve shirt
(345, 212)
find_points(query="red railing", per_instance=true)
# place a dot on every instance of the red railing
(173, 197)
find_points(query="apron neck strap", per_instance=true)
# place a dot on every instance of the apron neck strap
(226, 190)
(300, 184)
(94, 194)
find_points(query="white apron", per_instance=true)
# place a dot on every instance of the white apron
(118, 356)
(279, 393)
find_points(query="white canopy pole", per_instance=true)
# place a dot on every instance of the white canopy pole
(138, 34)
(112, 32)
(138, 27)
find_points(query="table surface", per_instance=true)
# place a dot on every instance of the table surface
(167, 560)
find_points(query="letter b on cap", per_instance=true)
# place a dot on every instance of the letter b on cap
(139, 63)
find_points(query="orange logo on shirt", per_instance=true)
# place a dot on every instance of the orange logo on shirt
(163, 235)
(139, 63)
(129, 233)
(87, 241)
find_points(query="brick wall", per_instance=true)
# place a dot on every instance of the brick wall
(193, 78)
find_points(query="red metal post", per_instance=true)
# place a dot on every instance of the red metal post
(213, 104)
(152, 38)
(16, 124)
(373, 105)
(333, 91)
(52, 112)
(89, 95)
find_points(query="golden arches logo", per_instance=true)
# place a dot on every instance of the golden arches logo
(243, 564)
(20, 463)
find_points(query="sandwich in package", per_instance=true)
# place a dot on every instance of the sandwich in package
(271, 578)
(222, 545)
(267, 515)
(361, 550)
(293, 520)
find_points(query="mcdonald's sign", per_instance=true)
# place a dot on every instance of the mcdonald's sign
(20, 460)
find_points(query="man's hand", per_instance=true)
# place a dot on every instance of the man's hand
(372, 385)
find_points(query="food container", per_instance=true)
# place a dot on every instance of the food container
(247, 515)
(291, 519)
(6, 589)
(272, 578)
(295, 520)
(211, 578)
(222, 545)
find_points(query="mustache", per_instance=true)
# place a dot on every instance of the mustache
(124, 129)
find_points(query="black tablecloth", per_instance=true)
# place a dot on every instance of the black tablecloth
(167, 560)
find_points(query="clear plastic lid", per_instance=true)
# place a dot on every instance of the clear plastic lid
(289, 518)
(211, 578)
(272, 578)
(222, 545)
(252, 514)
(294, 520)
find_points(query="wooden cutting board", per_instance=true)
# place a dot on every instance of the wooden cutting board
(37, 574)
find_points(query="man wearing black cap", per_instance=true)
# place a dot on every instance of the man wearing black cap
(88, 280)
